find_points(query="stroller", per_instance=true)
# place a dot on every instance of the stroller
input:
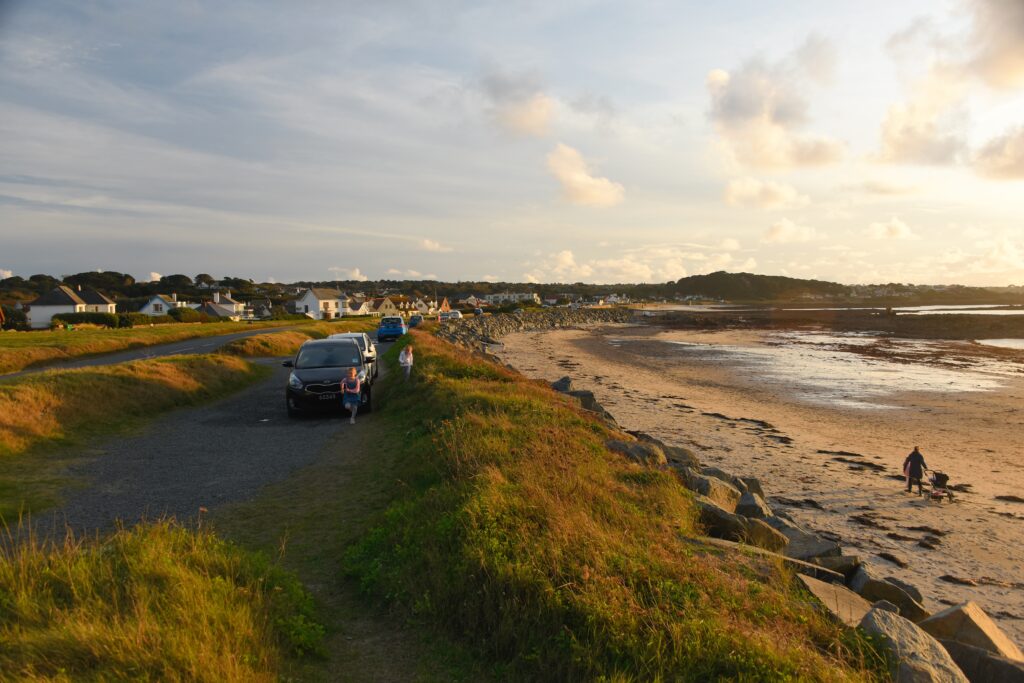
(940, 487)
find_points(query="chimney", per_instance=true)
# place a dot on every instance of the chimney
(174, 296)
(79, 288)
(216, 297)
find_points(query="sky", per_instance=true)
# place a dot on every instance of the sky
(577, 140)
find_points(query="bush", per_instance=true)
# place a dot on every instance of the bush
(143, 319)
(101, 319)
(188, 315)
(13, 319)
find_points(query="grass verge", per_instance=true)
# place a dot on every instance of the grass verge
(520, 535)
(61, 407)
(20, 350)
(287, 343)
(156, 602)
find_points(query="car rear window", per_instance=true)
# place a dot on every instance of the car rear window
(324, 356)
(391, 321)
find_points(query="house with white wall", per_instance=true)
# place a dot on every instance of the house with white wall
(355, 306)
(58, 300)
(319, 303)
(162, 304)
(512, 297)
(95, 302)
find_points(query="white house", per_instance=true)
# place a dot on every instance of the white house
(319, 303)
(225, 301)
(161, 304)
(512, 297)
(58, 300)
(355, 306)
(96, 302)
(219, 311)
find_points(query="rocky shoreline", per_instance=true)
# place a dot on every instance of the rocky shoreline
(960, 643)
(479, 332)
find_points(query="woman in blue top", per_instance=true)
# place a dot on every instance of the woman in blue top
(350, 390)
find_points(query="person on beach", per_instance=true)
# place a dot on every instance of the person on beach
(405, 360)
(913, 468)
(351, 389)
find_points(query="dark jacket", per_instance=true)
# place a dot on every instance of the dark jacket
(916, 463)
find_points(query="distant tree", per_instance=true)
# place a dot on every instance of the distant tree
(237, 284)
(176, 282)
(109, 281)
(204, 279)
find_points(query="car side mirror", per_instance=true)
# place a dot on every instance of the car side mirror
(288, 364)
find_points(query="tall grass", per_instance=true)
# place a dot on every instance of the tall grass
(20, 350)
(57, 407)
(156, 602)
(522, 535)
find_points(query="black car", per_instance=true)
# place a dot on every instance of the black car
(315, 381)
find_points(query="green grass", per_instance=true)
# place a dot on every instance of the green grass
(156, 602)
(287, 343)
(43, 411)
(517, 533)
(20, 350)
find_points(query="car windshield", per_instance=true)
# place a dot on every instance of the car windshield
(328, 356)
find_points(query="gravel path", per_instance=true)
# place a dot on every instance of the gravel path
(197, 345)
(199, 457)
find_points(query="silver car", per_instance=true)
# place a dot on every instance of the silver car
(366, 345)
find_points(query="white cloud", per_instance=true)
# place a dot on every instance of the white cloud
(519, 105)
(759, 108)
(4, 273)
(785, 231)
(432, 245)
(892, 229)
(929, 127)
(405, 273)
(763, 194)
(578, 185)
(154, 276)
(729, 244)
(490, 278)
(393, 271)
(883, 187)
(998, 42)
(644, 263)
(1003, 157)
(349, 273)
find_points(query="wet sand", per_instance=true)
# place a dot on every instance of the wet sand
(831, 420)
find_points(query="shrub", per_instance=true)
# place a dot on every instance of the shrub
(14, 319)
(101, 319)
(143, 319)
(188, 315)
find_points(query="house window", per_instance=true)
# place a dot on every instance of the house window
(158, 308)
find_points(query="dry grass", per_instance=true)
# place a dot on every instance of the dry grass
(157, 602)
(69, 406)
(287, 343)
(20, 350)
(520, 533)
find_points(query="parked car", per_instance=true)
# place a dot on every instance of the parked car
(443, 316)
(366, 345)
(478, 311)
(455, 315)
(317, 370)
(391, 327)
(415, 320)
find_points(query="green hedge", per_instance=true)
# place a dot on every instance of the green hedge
(102, 319)
(188, 315)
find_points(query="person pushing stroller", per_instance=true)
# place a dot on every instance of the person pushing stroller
(913, 468)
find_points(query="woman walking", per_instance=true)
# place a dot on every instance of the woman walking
(405, 360)
(351, 389)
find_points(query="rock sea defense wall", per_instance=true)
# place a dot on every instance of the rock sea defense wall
(481, 331)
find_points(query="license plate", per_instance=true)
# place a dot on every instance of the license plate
(328, 397)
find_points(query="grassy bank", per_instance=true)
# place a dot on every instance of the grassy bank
(20, 350)
(287, 343)
(157, 602)
(519, 534)
(59, 407)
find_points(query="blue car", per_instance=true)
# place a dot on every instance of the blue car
(415, 320)
(391, 327)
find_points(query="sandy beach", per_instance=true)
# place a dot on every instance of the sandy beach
(827, 421)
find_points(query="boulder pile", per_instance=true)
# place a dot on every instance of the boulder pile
(488, 329)
(958, 644)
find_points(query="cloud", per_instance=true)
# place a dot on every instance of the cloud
(892, 229)
(1003, 157)
(578, 185)
(432, 245)
(154, 276)
(4, 273)
(729, 244)
(644, 263)
(490, 278)
(763, 194)
(998, 42)
(785, 231)
(349, 273)
(882, 187)
(405, 273)
(759, 108)
(928, 127)
(519, 104)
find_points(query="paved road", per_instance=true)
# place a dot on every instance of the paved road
(199, 345)
(199, 457)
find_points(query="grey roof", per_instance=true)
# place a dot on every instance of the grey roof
(325, 293)
(59, 296)
(91, 296)
(215, 311)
